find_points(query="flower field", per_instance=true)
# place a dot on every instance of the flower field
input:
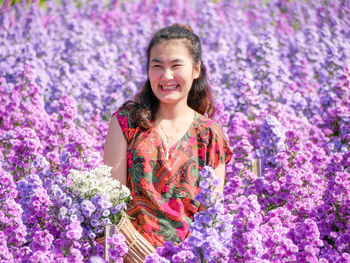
(280, 72)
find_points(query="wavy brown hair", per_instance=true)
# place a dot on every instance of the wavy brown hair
(145, 104)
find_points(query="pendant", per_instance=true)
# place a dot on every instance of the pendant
(167, 154)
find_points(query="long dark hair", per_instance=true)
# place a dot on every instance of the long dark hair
(145, 104)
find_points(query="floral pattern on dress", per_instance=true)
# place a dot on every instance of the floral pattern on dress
(163, 190)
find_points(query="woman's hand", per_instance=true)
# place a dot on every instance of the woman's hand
(101, 240)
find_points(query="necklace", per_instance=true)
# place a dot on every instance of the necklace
(168, 138)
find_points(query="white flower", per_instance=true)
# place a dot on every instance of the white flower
(97, 181)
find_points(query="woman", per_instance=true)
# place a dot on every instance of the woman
(158, 143)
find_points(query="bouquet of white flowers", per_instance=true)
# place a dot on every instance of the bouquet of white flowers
(100, 198)
(100, 202)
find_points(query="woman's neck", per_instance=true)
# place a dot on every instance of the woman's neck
(172, 112)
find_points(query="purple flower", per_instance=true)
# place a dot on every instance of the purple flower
(74, 230)
(87, 207)
(118, 247)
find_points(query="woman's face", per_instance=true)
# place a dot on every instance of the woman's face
(171, 71)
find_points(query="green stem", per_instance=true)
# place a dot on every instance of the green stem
(92, 246)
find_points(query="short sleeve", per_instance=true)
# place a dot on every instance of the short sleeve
(218, 150)
(127, 127)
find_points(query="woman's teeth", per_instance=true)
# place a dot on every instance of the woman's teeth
(169, 87)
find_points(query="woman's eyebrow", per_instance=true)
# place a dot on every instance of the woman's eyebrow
(176, 60)
(157, 60)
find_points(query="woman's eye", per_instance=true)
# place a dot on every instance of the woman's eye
(156, 66)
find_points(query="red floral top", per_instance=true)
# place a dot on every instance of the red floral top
(163, 189)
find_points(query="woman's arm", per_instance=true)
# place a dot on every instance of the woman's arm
(115, 151)
(115, 155)
(220, 172)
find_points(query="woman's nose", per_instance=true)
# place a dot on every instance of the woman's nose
(167, 74)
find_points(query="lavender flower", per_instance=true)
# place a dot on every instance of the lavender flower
(118, 247)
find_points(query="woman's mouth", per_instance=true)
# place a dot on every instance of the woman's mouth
(169, 88)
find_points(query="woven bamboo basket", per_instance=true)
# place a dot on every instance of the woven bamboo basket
(138, 246)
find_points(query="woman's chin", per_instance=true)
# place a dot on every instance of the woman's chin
(170, 98)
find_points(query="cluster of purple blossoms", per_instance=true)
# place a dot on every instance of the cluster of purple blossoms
(92, 214)
(31, 143)
(272, 137)
(74, 231)
(13, 230)
(118, 247)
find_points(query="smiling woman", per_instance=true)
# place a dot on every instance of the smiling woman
(158, 143)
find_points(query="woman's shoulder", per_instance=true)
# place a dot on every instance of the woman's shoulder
(204, 122)
(125, 109)
(136, 113)
(212, 134)
(124, 114)
(208, 129)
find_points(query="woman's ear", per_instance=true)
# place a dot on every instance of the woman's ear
(197, 70)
